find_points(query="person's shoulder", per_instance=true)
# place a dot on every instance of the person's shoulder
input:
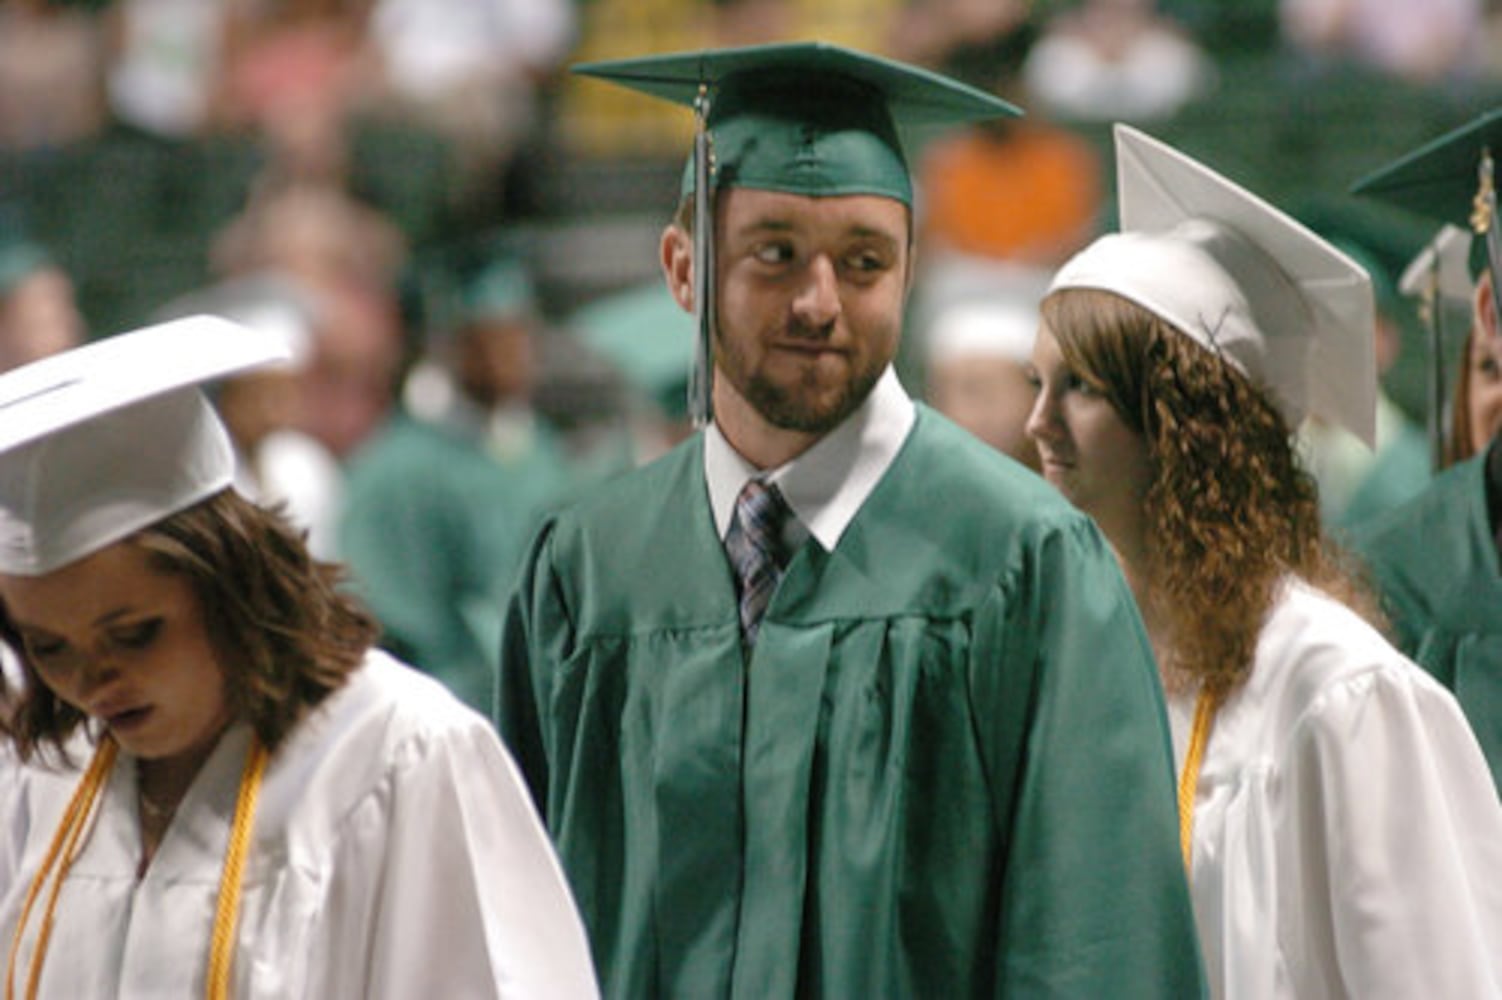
(1315, 651)
(1409, 525)
(977, 485)
(384, 712)
(635, 495)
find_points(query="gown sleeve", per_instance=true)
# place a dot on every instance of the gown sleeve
(1094, 901)
(534, 630)
(411, 550)
(464, 895)
(1409, 897)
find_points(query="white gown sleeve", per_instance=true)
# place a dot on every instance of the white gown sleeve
(450, 886)
(1402, 842)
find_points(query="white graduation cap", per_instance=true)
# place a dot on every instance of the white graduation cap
(1241, 278)
(103, 440)
(1444, 261)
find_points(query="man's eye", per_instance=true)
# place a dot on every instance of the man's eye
(866, 262)
(774, 253)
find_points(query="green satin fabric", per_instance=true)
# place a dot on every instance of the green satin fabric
(1436, 566)
(943, 772)
(434, 530)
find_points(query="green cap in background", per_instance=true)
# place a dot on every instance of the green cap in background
(500, 290)
(1447, 180)
(18, 260)
(647, 337)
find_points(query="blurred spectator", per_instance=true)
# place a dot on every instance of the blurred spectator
(977, 323)
(440, 504)
(264, 410)
(928, 32)
(349, 257)
(1115, 60)
(292, 73)
(599, 121)
(38, 310)
(1024, 190)
(164, 62)
(1422, 41)
(51, 91)
(470, 70)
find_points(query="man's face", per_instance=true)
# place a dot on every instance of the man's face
(811, 294)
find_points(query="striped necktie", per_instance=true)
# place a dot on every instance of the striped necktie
(755, 545)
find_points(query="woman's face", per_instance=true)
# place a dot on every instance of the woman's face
(1484, 370)
(126, 644)
(1086, 450)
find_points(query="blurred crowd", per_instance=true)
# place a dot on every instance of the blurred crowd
(460, 239)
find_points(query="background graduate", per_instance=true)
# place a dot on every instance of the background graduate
(1436, 558)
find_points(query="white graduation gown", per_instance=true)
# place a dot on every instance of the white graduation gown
(1347, 834)
(396, 854)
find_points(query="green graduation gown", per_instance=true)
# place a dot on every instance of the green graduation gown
(434, 529)
(943, 772)
(1435, 563)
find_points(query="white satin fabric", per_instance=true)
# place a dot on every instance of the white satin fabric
(396, 854)
(1348, 836)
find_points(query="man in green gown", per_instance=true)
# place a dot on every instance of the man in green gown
(440, 503)
(937, 764)
(1436, 558)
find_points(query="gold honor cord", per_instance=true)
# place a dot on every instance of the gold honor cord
(1189, 778)
(64, 842)
(65, 845)
(222, 949)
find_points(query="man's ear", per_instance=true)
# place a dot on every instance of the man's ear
(677, 258)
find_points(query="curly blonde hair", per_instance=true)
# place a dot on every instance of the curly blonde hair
(1230, 510)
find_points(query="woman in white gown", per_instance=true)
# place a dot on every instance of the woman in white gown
(1342, 833)
(226, 790)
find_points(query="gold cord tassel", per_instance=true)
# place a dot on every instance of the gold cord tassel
(1189, 778)
(60, 852)
(65, 846)
(231, 877)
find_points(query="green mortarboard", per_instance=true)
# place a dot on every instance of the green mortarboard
(1449, 179)
(803, 118)
(502, 290)
(649, 339)
(18, 261)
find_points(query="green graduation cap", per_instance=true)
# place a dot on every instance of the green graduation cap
(1450, 179)
(502, 290)
(804, 118)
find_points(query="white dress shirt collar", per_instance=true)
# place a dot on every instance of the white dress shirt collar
(826, 485)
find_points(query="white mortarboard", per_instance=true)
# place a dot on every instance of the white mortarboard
(1241, 278)
(106, 439)
(279, 305)
(1445, 263)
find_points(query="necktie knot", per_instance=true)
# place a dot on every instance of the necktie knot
(756, 550)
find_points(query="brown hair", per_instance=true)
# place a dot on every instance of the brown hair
(1458, 443)
(1230, 509)
(284, 633)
